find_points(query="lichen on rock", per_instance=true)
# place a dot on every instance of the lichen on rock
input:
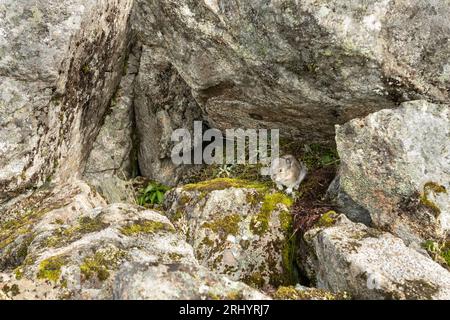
(241, 228)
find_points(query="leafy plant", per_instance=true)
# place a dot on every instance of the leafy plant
(152, 194)
(316, 155)
(225, 170)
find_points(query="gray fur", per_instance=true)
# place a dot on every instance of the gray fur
(288, 172)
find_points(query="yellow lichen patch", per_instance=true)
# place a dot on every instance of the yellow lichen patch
(260, 223)
(327, 219)
(50, 269)
(146, 226)
(290, 293)
(224, 183)
(226, 225)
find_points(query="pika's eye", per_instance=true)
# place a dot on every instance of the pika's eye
(281, 170)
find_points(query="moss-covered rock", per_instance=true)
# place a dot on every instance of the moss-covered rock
(293, 293)
(395, 168)
(241, 228)
(142, 226)
(77, 248)
(50, 268)
(371, 264)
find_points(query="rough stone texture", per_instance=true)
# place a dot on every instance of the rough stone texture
(78, 246)
(163, 103)
(345, 203)
(113, 158)
(68, 244)
(396, 165)
(242, 231)
(60, 63)
(370, 264)
(178, 281)
(301, 66)
(111, 154)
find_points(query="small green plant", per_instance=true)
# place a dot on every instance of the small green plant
(316, 155)
(225, 170)
(85, 69)
(152, 194)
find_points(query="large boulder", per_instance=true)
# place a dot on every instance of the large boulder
(238, 228)
(395, 165)
(371, 264)
(60, 64)
(301, 66)
(178, 281)
(163, 104)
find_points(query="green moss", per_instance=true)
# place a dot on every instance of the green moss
(91, 267)
(445, 254)
(86, 69)
(312, 67)
(327, 219)
(89, 225)
(18, 273)
(260, 223)
(177, 216)
(286, 221)
(85, 225)
(224, 183)
(431, 187)
(23, 249)
(10, 230)
(184, 199)
(436, 188)
(229, 224)
(286, 293)
(439, 251)
(101, 263)
(50, 269)
(207, 242)
(146, 226)
(288, 252)
(213, 296)
(175, 257)
(234, 295)
(288, 260)
(64, 283)
(255, 280)
(290, 293)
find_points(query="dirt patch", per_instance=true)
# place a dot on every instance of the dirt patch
(311, 203)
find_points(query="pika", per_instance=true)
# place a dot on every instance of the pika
(287, 171)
